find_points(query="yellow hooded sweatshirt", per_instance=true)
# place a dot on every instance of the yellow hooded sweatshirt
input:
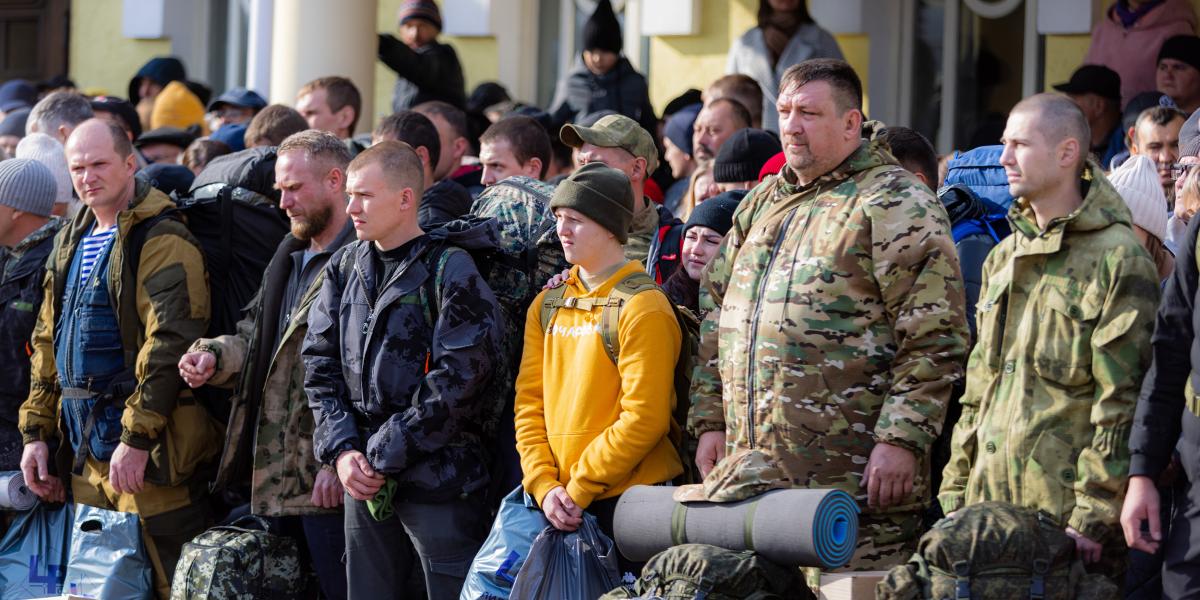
(585, 423)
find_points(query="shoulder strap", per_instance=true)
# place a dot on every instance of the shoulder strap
(610, 317)
(431, 291)
(550, 303)
(138, 234)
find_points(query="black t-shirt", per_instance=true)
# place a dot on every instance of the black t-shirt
(387, 261)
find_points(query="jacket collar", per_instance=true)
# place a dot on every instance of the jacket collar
(868, 156)
(1102, 207)
(574, 283)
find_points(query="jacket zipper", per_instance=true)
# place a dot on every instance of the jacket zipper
(368, 328)
(762, 287)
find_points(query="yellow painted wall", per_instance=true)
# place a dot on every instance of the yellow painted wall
(478, 55)
(681, 62)
(101, 58)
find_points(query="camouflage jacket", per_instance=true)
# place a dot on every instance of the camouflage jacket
(395, 369)
(1064, 318)
(835, 323)
(270, 425)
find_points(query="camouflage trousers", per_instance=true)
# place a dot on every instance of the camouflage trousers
(170, 516)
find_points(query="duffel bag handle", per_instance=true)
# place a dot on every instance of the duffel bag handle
(251, 522)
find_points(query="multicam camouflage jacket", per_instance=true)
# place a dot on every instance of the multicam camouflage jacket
(269, 436)
(396, 369)
(836, 322)
(1065, 317)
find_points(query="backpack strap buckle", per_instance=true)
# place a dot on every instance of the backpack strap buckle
(962, 580)
(570, 302)
(1037, 584)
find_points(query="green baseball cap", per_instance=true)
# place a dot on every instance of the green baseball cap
(614, 131)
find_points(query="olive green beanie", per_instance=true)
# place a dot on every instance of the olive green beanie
(602, 194)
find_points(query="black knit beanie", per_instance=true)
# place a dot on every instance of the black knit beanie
(716, 213)
(601, 193)
(743, 155)
(602, 30)
(1183, 48)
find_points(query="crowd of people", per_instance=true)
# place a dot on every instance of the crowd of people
(480, 294)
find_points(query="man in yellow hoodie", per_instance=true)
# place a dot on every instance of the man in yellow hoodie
(589, 426)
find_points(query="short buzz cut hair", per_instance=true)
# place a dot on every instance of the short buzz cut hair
(452, 115)
(1059, 118)
(847, 87)
(273, 124)
(59, 109)
(1159, 115)
(121, 143)
(398, 161)
(525, 136)
(739, 110)
(339, 93)
(742, 88)
(913, 151)
(412, 128)
(319, 146)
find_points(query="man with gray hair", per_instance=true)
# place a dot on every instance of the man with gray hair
(27, 231)
(58, 114)
(1064, 319)
(263, 360)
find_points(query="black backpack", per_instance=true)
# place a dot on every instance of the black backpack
(233, 211)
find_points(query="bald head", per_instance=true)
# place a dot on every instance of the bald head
(1057, 118)
(102, 166)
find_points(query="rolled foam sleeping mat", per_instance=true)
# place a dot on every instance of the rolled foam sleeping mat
(809, 528)
(14, 495)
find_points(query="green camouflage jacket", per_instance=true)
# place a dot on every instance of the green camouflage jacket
(269, 437)
(835, 323)
(1065, 317)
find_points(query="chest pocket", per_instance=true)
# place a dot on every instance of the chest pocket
(990, 314)
(1062, 350)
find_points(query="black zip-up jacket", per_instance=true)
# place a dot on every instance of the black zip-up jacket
(20, 302)
(396, 370)
(1168, 410)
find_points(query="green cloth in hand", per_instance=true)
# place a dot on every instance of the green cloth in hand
(380, 506)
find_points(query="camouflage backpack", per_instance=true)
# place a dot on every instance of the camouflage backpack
(995, 550)
(702, 571)
(242, 561)
(689, 328)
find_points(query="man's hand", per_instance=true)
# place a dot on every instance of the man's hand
(35, 459)
(710, 449)
(889, 475)
(1141, 505)
(561, 511)
(1087, 550)
(196, 368)
(357, 476)
(327, 490)
(557, 280)
(127, 469)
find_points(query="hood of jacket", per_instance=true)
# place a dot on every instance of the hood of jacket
(1169, 13)
(469, 233)
(1102, 207)
(445, 201)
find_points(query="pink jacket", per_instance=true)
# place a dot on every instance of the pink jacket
(1133, 52)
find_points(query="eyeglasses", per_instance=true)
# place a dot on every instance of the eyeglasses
(1179, 169)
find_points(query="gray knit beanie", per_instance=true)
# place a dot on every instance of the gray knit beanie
(28, 186)
(601, 193)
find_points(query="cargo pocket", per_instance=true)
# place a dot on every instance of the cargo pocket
(1049, 478)
(1062, 350)
(989, 324)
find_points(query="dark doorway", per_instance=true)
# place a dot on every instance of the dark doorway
(33, 39)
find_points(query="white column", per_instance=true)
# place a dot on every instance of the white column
(315, 38)
(258, 46)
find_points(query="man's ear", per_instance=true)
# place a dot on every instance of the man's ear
(639, 168)
(345, 117)
(423, 154)
(1131, 139)
(533, 168)
(853, 121)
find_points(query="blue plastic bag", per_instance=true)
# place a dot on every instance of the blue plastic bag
(108, 559)
(33, 554)
(580, 565)
(495, 567)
